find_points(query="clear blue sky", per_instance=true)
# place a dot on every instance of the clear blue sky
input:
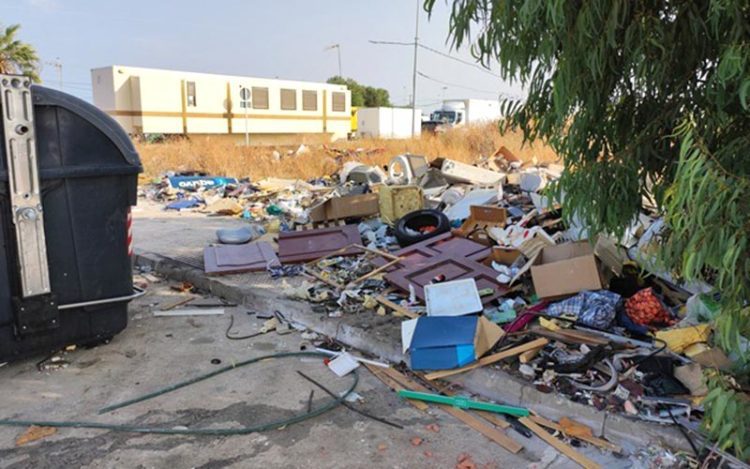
(272, 38)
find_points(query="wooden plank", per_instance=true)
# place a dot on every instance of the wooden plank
(494, 419)
(559, 445)
(529, 355)
(397, 308)
(476, 423)
(394, 385)
(569, 336)
(511, 352)
(374, 272)
(177, 302)
(604, 444)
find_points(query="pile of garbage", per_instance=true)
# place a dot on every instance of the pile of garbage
(484, 271)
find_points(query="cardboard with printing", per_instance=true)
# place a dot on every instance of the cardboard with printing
(350, 206)
(565, 269)
(442, 343)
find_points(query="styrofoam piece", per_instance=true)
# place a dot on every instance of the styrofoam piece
(461, 210)
(343, 364)
(462, 172)
(454, 298)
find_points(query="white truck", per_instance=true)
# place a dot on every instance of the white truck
(459, 112)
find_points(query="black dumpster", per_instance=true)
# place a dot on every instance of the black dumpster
(68, 177)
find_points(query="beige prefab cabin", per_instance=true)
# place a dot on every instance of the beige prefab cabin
(153, 101)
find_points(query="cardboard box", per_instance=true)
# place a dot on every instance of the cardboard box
(442, 343)
(481, 219)
(565, 269)
(350, 206)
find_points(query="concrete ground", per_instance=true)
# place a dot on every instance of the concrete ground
(153, 352)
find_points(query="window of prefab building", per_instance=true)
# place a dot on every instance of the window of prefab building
(309, 100)
(259, 97)
(338, 101)
(288, 100)
(191, 94)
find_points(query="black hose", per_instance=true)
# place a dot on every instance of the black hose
(349, 406)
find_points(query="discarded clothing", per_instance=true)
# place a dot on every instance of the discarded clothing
(184, 204)
(595, 309)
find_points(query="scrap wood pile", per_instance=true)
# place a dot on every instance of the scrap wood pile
(485, 272)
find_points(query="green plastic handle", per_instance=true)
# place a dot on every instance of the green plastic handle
(464, 403)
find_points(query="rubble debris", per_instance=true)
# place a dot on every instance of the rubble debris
(589, 319)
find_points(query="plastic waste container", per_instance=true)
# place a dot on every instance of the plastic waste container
(68, 177)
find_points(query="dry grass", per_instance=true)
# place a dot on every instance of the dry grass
(221, 157)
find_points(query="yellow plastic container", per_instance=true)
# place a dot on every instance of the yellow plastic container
(397, 201)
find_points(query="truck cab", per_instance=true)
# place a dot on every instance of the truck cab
(450, 114)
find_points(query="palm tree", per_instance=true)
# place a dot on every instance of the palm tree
(17, 56)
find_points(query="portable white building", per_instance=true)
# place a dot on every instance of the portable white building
(153, 101)
(388, 122)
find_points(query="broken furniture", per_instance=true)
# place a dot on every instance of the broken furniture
(446, 267)
(232, 259)
(445, 243)
(308, 245)
(481, 219)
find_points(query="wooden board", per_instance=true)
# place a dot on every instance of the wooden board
(604, 444)
(445, 243)
(229, 259)
(308, 245)
(559, 445)
(488, 360)
(569, 336)
(452, 268)
(474, 422)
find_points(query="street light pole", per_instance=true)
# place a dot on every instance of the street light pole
(414, 78)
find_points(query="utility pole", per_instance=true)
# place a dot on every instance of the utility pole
(338, 51)
(414, 79)
(58, 66)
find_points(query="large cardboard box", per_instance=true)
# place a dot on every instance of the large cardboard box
(565, 269)
(350, 206)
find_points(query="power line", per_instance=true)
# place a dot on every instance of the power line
(465, 62)
(435, 51)
(457, 86)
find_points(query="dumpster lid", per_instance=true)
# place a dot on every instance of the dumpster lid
(100, 120)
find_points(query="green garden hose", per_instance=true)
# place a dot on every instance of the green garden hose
(198, 431)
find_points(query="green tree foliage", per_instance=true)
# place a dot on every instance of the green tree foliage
(643, 99)
(17, 56)
(363, 96)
